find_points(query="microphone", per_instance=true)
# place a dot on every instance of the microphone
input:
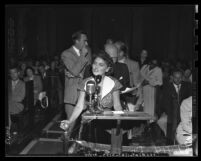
(98, 78)
(90, 89)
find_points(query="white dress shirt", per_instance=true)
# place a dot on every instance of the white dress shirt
(177, 87)
(14, 83)
(76, 50)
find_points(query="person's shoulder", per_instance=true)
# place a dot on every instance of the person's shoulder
(87, 79)
(187, 102)
(115, 83)
(132, 61)
(186, 84)
(37, 77)
(157, 68)
(25, 79)
(168, 85)
(21, 82)
(113, 79)
(67, 51)
(122, 65)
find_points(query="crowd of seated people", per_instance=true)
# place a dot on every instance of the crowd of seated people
(28, 84)
(162, 85)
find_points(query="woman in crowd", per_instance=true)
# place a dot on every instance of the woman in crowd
(152, 79)
(22, 70)
(37, 83)
(36, 66)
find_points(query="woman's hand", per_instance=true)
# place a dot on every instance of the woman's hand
(64, 124)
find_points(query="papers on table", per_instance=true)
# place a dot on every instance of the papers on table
(118, 112)
(127, 90)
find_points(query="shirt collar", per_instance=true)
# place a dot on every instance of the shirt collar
(76, 50)
(16, 81)
(176, 87)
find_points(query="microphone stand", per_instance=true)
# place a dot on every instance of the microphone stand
(90, 103)
(65, 142)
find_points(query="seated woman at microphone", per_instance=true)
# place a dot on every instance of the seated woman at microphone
(108, 96)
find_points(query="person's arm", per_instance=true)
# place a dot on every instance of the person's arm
(157, 78)
(136, 74)
(185, 114)
(116, 100)
(78, 108)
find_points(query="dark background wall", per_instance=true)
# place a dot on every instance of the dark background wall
(165, 31)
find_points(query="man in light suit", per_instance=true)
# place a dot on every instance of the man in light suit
(75, 59)
(16, 94)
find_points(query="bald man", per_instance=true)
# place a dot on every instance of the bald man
(121, 71)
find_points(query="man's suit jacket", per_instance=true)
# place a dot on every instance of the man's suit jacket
(15, 97)
(171, 102)
(121, 73)
(74, 69)
(134, 71)
(88, 71)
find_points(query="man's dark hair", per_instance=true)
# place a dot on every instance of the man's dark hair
(14, 66)
(77, 35)
(29, 67)
(176, 70)
(124, 48)
(42, 65)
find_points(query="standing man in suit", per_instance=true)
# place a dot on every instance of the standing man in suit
(173, 94)
(16, 94)
(75, 59)
(121, 71)
(133, 66)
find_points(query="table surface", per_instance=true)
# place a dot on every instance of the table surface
(126, 115)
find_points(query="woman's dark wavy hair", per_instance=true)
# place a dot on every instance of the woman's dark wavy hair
(103, 55)
(30, 69)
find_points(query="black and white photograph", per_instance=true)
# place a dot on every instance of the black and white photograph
(101, 80)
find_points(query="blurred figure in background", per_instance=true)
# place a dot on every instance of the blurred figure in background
(173, 94)
(55, 87)
(143, 59)
(152, 79)
(37, 82)
(16, 95)
(121, 72)
(133, 66)
(22, 70)
(36, 67)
